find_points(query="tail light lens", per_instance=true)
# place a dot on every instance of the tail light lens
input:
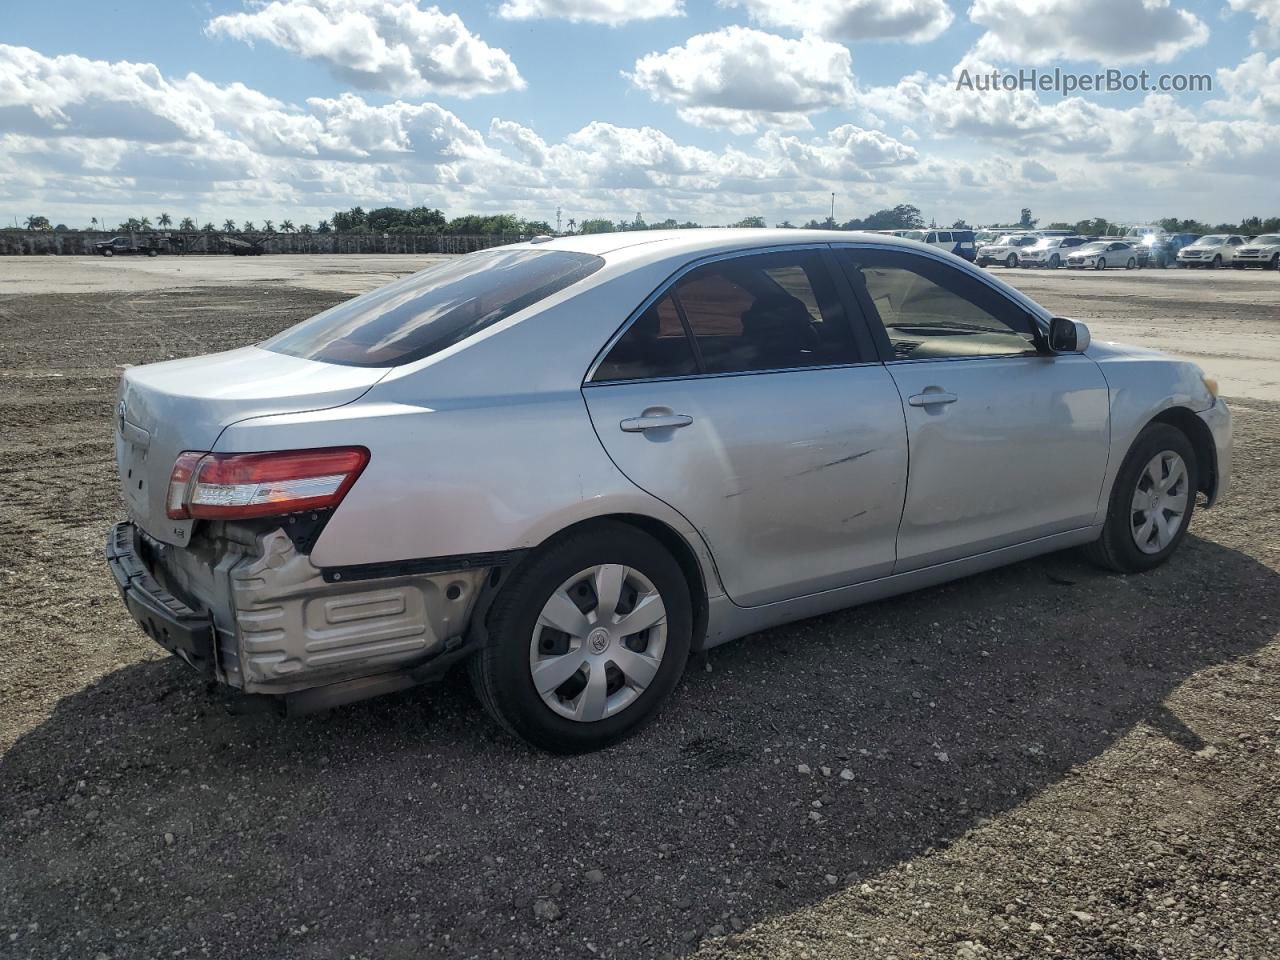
(227, 486)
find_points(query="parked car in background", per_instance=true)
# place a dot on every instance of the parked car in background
(1101, 254)
(1050, 252)
(959, 242)
(1212, 251)
(1261, 251)
(675, 476)
(1163, 250)
(123, 246)
(1005, 249)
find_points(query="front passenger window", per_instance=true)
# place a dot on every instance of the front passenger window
(931, 310)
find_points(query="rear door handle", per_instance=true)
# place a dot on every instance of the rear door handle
(655, 422)
(928, 399)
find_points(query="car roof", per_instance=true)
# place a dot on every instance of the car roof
(654, 245)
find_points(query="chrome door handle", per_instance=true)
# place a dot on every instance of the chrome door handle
(928, 399)
(664, 422)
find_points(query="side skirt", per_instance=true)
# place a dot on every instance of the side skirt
(727, 621)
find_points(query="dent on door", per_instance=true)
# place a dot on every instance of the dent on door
(795, 479)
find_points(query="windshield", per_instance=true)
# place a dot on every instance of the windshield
(1093, 247)
(1007, 240)
(1267, 238)
(443, 305)
(1047, 242)
(1212, 241)
(912, 234)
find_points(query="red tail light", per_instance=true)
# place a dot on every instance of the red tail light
(229, 486)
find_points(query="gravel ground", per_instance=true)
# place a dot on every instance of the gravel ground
(1041, 761)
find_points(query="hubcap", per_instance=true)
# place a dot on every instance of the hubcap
(598, 642)
(1159, 502)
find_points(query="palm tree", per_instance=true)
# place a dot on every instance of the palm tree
(323, 226)
(187, 224)
(229, 225)
(286, 226)
(209, 227)
(249, 227)
(165, 221)
(94, 222)
(144, 223)
(268, 226)
(572, 224)
(305, 228)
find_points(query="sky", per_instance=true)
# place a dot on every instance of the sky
(703, 110)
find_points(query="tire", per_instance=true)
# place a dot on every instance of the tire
(1100, 264)
(502, 672)
(153, 253)
(108, 252)
(1054, 262)
(1011, 261)
(1275, 261)
(1118, 548)
(1217, 262)
(1131, 264)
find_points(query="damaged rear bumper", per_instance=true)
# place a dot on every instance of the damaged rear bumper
(247, 608)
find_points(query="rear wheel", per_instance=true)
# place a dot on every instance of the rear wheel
(586, 641)
(1151, 502)
(1011, 261)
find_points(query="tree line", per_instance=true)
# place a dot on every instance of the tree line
(426, 221)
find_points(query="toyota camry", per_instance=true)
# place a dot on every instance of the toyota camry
(569, 463)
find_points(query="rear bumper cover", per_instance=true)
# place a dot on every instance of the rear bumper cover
(252, 611)
(162, 616)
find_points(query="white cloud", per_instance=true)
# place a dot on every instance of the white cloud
(742, 79)
(915, 21)
(1252, 88)
(611, 12)
(1108, 31)
(1037, 172)
(393, 46)
(1268, 13)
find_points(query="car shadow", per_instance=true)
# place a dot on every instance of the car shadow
(142, 816)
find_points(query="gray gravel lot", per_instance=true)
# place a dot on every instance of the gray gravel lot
(1041, 761)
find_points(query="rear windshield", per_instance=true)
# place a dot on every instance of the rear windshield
(443, 305)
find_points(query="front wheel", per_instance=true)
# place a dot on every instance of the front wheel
(1011, 261)
(1054, 262)
(1275, 261)
(586, 641)
(1131, 264)
(1151, 503)
(1216, 264)
(108, 252)
(1101, 264)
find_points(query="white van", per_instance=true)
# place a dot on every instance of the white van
(959, 242)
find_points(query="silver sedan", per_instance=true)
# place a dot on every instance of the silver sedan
(569, 464)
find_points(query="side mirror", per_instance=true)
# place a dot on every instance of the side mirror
(1068, 336)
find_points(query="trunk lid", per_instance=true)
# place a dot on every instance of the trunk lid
(166, 408)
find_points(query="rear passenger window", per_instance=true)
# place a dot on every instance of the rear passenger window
(772, 311)
(944, 236)
(655, 345)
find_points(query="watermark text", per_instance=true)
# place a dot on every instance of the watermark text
(1066, 83)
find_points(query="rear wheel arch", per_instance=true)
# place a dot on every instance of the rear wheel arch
(670, 539)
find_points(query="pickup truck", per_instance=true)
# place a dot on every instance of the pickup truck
(118, 246)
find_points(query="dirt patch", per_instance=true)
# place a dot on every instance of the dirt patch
(1041, 761)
